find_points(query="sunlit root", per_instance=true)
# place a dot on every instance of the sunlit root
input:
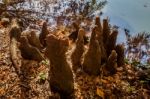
(74, 34)
(120, 51)
(98, 23)
(92, 59)
(14, 33)
(5, 22)
(61, 77)
(29, 52)
(78, 51)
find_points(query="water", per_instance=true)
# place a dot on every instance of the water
(131, 14)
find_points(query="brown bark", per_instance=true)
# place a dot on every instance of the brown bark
(5, 22)
(14, 56)
(120, 51)
(106, 30)
(111, 64)
(111, 42)
(92, 59)
(29, 52)
(14, 33)
(34, 40)
(98, 23)
(74, 34)
(61, 76)
(100, 39)
(43, 34)
(76, 56)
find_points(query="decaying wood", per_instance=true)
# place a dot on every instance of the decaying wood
(76, 56)
(61, 76)
(92, 59)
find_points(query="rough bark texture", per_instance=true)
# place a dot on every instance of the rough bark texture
(43, 34)
(92, 59)
(74, 34)
(5, 22)
(14, 55)
(98, 23)
(100, 39)
(106, 30)
(111, 42)
(111, 64)
(120, 51)
(78, 51)
(14, 33)
(34, 39)
(61, 76)
(29, 52)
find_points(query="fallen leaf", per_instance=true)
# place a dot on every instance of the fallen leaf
(104, 81)
(100, 93)
(2, 91)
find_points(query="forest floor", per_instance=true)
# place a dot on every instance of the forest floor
(33, 83)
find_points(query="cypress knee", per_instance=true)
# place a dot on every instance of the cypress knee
(92, 59)
(74, 34)
(34, 39)
(78, 51)
(43, 34)
(100, 39)
(61, 76)
(120, 51)
(98, 23)
(111, 64)
(111, 43)
(106, 30)
(29, 52)
(15, 31)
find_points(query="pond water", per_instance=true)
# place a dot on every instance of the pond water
(131, 14)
